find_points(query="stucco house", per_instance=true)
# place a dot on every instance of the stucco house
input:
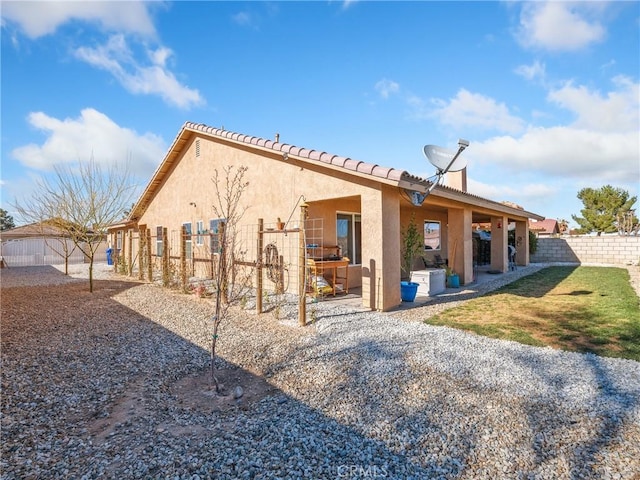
(545, 228)
(359, 206)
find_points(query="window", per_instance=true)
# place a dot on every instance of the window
(119, 240)
(200, 231)
(159, 241)
(187, 227)
(349, 236)
(431, 235)
(214, 240)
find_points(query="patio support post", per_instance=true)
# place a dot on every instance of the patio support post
(522, 243)
(499, 251)
(460, 243)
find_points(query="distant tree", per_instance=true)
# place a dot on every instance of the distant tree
(563, 225)
(6, 220)
(81, 201)
(602, 208)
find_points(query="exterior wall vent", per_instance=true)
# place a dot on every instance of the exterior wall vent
(197, 147)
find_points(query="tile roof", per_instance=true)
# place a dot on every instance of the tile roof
(548, 225)
(324, 157)
(400, 178)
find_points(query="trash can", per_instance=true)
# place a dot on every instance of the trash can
(109, 259)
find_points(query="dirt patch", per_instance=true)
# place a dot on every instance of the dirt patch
(239, 389)
(124, 409)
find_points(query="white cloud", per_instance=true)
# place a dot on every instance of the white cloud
(617, 111)
(468, 109)
(93, 134)
(387, 87)
(243, 18)
(44, 18)
(564, 151)
(560, 26)
(535, 71)
(154, 78)
(524, 193)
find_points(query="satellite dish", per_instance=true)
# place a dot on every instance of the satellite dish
(441, 158)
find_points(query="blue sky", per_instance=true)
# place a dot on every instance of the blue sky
(547, 93)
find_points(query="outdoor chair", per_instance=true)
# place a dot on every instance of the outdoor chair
(437, 262)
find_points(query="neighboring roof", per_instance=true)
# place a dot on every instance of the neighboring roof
(546, 226)
(33, 230)
(392, 176)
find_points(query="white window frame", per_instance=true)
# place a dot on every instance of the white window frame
(159, 243)
(200, 231)
(355, 249)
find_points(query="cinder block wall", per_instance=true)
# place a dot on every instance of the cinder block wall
(614, 249)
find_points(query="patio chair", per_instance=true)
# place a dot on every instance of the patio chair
(438, 262)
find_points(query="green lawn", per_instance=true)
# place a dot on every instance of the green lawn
(583, 309)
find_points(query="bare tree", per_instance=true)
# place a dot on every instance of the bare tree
(232, 281)
(82, 200)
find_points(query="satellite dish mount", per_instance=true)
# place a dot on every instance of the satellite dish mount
(445, 161)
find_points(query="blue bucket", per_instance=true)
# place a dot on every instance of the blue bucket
(408, 291)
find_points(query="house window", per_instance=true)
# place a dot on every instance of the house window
(214, 230)
(119, 240)
(349, 236)
(159, 241)
(187, 228)
(431, 235)
(200, 231)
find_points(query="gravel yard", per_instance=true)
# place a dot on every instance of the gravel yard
(110, 385)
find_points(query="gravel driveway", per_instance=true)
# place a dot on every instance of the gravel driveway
(90, 389)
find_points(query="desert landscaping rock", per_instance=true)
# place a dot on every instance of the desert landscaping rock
(115, 384)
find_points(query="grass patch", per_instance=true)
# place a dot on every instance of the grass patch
(582, 309)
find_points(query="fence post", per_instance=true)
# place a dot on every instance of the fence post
(302, 262)
(130, 252)
(165, 258)
(183, 257)
(259, 266)
(148, 250)
(141, 246)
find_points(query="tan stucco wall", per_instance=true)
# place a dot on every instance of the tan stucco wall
(275, 187)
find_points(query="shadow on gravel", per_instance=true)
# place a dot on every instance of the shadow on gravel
(550, 424)
(91, 388)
